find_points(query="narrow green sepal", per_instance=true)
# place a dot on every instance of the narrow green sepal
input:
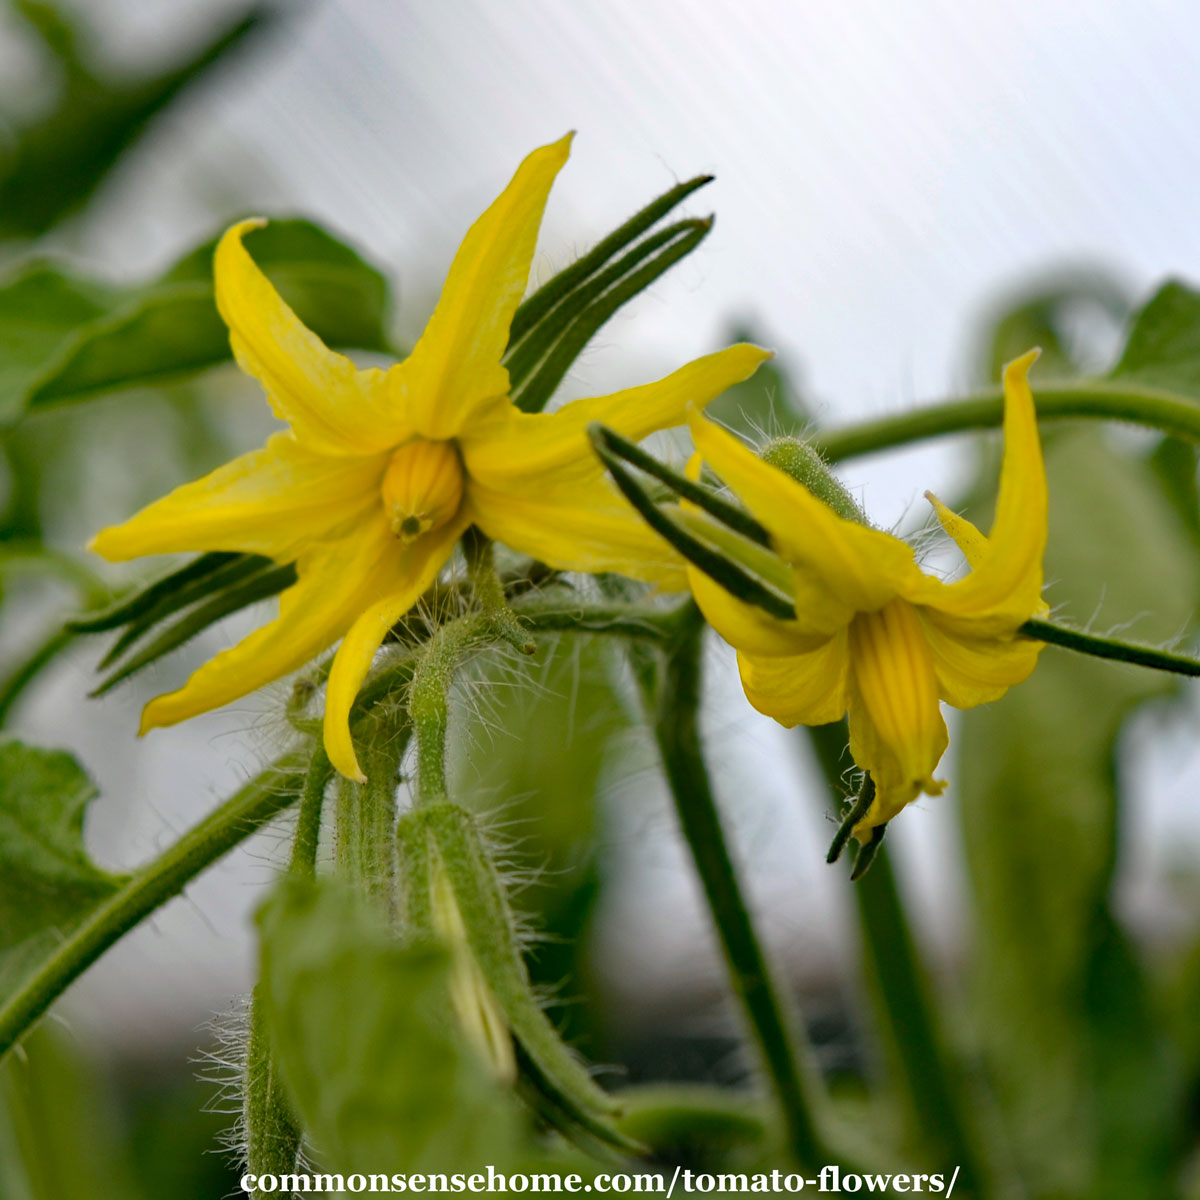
(257, 587)
(866, 853)
(547, 356)
(858, 810)
(227, 575)
(737, 518)
(537, 306)
(128, 608)
(728, 574)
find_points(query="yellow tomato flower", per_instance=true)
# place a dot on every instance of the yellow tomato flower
(874, 635)
(381, 470)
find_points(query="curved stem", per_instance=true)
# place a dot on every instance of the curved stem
(1109, 647)
(778, 1040)
(1157, 408)
(247, 810)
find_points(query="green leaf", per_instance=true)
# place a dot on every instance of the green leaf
(87, 341)
(52, 165)
(1088, 1110)
(58, 1127)
(362, 1036)
(48, 884)
(1163, 349)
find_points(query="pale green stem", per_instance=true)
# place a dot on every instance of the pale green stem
(1170, 412)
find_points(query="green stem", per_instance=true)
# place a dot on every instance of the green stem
(559, 613)
(15, 685)
(147, 889)
(308, 823)
(1110, 647)
(678, 737)
(900, 995)
(1158, 408)
(429, 701)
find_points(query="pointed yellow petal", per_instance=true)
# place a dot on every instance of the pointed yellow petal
(582, 526)
(859, 569)
(333, 407)
(1005, 583)
(455, 367)
(799, 689)
(896, 727)
(336, 581)
(419, 565)
(529, 444)
(966, 537)
(747, 627)
(270, 501)
(975, 670)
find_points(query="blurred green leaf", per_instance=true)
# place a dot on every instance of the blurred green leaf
(53, 165)
(1071, 1038)
(363, 1040)
(89, 340)
(1063, 316)
(48, 884)
(1163, 349)
(58, 1126)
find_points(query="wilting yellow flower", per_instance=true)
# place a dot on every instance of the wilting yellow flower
(873, 634)
(381, 470)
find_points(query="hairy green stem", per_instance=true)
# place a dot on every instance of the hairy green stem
(905, 1017)
(1157, 408)
(308, 822)
(14, 686)
(781, 1047)
(1099, 646)
(251, 807)
(429, 701)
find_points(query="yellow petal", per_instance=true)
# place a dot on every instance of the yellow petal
(332, 406)
(746, 626)
(582, 526)
(336, 580)
(419, 565)
(966, 537)
(799, 689)
(270, 501)
(896, 727)
(455, 367)
(528, 444)
(1005, 583)
(975, 670)
(857, 568)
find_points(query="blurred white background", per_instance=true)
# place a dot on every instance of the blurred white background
(883, 172)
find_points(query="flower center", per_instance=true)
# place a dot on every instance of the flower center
(422, 488)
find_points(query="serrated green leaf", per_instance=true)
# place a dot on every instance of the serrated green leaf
(361, 1032)
(1163, 349)
(48, 884)
(90, 340)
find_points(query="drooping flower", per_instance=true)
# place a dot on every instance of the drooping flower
(382, 470)
(874, 636)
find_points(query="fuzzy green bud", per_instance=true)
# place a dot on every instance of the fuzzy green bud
(805, 465)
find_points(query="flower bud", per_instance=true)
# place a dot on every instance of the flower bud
(422, 488)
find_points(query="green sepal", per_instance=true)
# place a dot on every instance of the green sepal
(562, 1088)
(723, 570)
(258, 586)
(540, 304)
(548, 354)
(130, 608)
